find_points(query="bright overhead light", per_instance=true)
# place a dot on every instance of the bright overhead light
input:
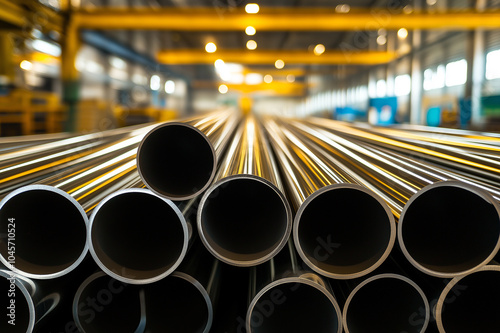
(319, 49)
(250, 31)
(26, 65)
(46, 47)
(402, 33)
(251, 44)
(343, 8)
(170, 87)
(210, 47)
(252, 8)
(219, 63)
(279, 64)
(268, 78)
(290, 78)
(253, 78)
(381, 40)
(223, 89)
(154, 83)
(431, 2)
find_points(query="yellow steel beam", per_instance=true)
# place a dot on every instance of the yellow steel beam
(297, 72)
(12, 13)
(274, 88)
(265, 57)
(29, 13)
(282, 19)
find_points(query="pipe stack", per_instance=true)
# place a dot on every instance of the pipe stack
(229, 223)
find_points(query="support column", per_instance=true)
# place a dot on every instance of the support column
(70, 75)
(7, 65)
(478, 66)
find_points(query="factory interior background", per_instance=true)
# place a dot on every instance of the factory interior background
(99, 64)
(260, 166)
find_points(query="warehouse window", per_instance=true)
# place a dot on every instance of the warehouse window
(402, 85)
(381, 88)
(434, 79)
(456, 73)
(493, 65)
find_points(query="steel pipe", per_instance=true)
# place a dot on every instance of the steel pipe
(446, 248)
(177, 303)
(290, 300)
(36, 163)
(42, 232)
(455, 157)
(244, 219)
(178, 160)
(136, 236)
(469, 303)
(386, 303)
(23, 302)
(331, 210)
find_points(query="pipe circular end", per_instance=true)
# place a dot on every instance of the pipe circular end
(244, 220)
(386, 303)
(449, 228)
(469, 303)
(137, 237)
(43, 232)
(24, 308)
(344, 231)
(293, 304)
(176, 161)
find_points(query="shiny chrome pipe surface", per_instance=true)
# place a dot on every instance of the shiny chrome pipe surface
(442, 233)
(469, 303)
(178, 160)
(336, 217)
(455, 157)
(25, 306)
(136, 236)
(177, 303)
(42, 232)
(386, 303)
(285, 298)
(27, 166)
(244, 218)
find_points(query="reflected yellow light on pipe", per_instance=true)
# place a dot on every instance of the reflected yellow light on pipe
(279, 64)
(252, 8)
(251, 44)
(210, 47)
(250, 31)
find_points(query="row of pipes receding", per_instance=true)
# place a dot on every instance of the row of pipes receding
(231, 223)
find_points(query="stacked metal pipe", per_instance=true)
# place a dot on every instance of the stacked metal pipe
(230, 223)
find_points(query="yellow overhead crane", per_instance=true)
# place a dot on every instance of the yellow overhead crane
(222, 19)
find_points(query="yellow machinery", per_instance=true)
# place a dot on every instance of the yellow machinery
(35, 112)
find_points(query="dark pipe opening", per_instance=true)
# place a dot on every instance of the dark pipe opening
(386, 305)
(344, 231)
(49, 234)
(472, 305)
(175, 304)
(176, 161)
(108, 305)
(137, 235)
(245, 220)
(449, 229)
(293, 307)
(22, 313)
